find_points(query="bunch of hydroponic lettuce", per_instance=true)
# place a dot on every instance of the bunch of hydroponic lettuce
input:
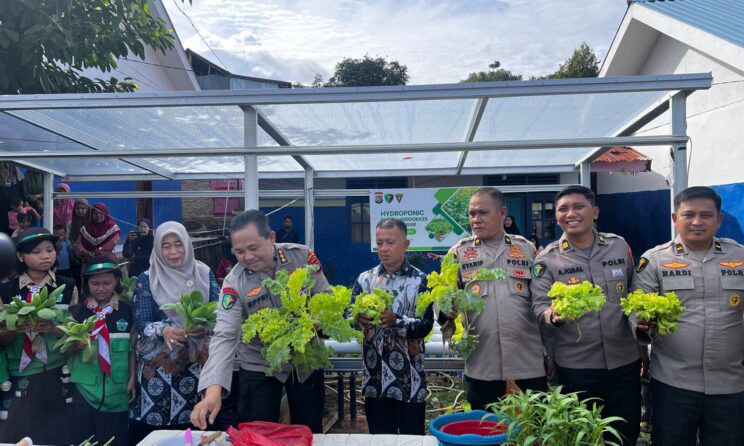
(78, 332)
(664, 309)
(289, 333)
(445, 292)
(195, 312)
(372, 305)
(574, 301)
(41, 307)
(129, 284)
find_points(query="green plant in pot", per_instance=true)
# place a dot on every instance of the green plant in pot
(555, 419)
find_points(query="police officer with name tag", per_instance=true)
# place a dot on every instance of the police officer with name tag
(697, 372)
(596, 355)
(509, 345)
(242, 294)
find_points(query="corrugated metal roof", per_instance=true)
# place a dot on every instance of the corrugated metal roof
(619, 154)
(721, 18)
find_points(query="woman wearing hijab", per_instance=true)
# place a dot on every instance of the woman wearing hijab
(63, 208)
(99, 236)
(169, 360)
(138, 248)
(80, 217)
(510, 225)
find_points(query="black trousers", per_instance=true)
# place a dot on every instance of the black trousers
(261, 396)
(101, 425)
(679, 414)
(482, 393)
(389, 416)
(41, 413)
(618, 389)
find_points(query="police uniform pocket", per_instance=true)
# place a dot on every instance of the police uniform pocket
(519, 281)
(733, 291)
(683, 287)
(616, 281)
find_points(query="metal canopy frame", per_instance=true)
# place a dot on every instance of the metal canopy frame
(30, 108)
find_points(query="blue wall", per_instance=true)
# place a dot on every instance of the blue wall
(124, 210)
(644, 219)
(733, 210)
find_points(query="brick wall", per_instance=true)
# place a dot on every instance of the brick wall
(198, 212)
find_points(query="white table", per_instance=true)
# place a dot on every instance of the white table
(318, 439)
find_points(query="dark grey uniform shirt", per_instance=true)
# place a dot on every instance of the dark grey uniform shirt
(606, 338)
(242, 295)
(706, 351)
(509, 345)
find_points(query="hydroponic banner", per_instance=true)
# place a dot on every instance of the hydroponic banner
(436, 218)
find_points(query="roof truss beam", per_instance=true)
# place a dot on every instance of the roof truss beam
(623, 84)
(475, 120)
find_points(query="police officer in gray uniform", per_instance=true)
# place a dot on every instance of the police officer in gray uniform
(598, 355)
(242, 294)
(509, 345)
(697, 373)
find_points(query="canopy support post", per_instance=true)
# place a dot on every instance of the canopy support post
(309, 207)
(679, 151)
(585, 175)
(250, 139)
(49, 201)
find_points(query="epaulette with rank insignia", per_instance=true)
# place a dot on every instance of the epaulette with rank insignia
(282, 256)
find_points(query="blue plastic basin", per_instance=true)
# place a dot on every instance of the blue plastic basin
(435, 429)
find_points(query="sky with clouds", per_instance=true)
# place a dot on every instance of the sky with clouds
(439, 41)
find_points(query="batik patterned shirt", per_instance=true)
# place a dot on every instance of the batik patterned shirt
(394, 357)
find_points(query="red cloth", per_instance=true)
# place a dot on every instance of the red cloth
(264, 433)
(94, 235)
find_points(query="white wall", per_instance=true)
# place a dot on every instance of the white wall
(715, 127)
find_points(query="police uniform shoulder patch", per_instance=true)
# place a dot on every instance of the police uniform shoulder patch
(538, 269)
(282, 256)
(312, 259)
(565, 245)
(229, 297)
(642, 264)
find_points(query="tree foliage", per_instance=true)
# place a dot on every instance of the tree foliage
(367, 72)
(46, 44)
(496, 73)
(582, 63)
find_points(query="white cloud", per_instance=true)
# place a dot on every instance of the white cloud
(439, 41)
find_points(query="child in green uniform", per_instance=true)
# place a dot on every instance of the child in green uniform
(102, 385)
(38, 408)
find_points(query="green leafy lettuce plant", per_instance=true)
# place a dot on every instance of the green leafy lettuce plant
(372, 305)
(78, 332)
(291, 332)
(129, 284)
(574, 301)
(41, 307)
(195, 312)
(446, 293)
(664, 309)
(554, 419)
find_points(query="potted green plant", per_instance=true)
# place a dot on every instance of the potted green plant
(554, 419)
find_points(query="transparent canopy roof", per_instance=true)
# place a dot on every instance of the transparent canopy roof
(457, 129)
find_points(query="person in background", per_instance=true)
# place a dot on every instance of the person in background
(138, 248)
(510, 225)
(393, 379)
(63, 251)
(103, 387)
(596, 354)
(509, 344)
(228, 261)
(39, 410)
(697, 377)
(287, 234)
(63, 207)
(98, 237)
(33, 189)
(18, 206)
(169, 360)
(80, 217)
(535, 241)
(25, 219)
